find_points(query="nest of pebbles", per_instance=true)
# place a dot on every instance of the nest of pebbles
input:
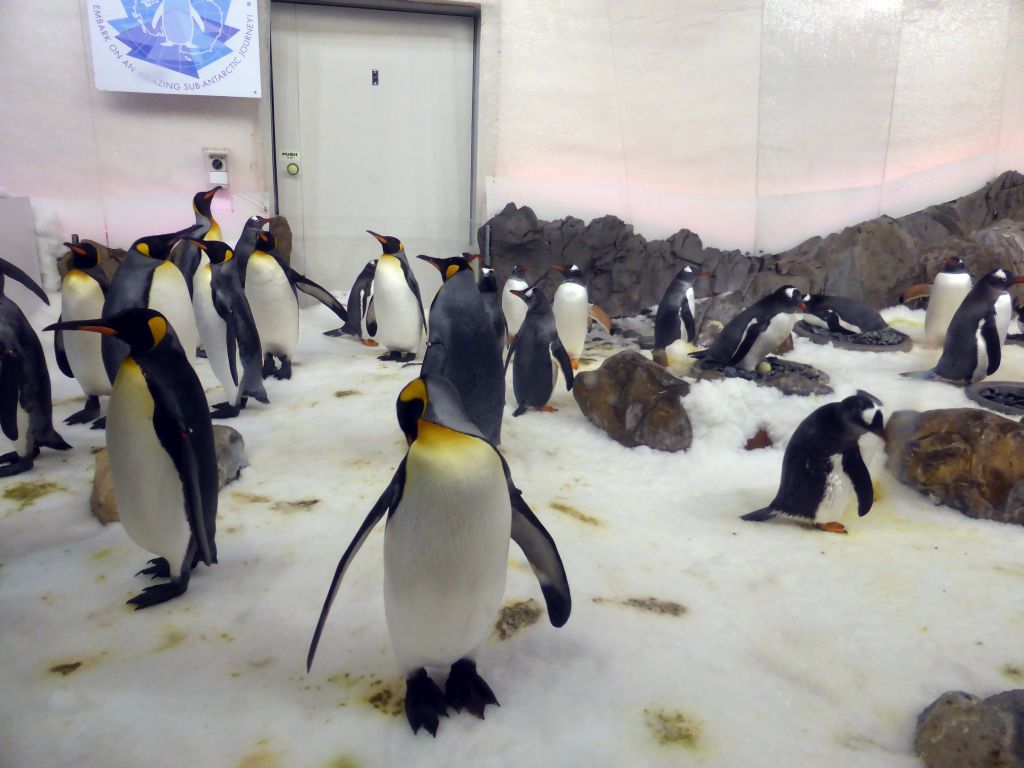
(883, 340)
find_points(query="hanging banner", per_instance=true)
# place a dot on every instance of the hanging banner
(202, 47)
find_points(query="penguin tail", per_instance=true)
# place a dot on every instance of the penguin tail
(920, 375)
(54, 441)
(519, 411)
(760, 515)
(700, 354)
(254, 388)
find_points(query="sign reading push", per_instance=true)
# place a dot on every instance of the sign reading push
(201, 47)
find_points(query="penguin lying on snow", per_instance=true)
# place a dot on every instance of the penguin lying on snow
(82, 293)
(535, 354)
(451, 506)
(397, 305)
(972, 349)
(360, 321)
(160, 444)
(756, 331)
(26, 412)
(822, 447)
(843, 315)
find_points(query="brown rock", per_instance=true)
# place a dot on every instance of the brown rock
(636, 401)
(968, 459)
(102, 500)
(959, 730)
(282, 233)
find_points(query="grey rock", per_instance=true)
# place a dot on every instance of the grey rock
(959, 730)
(715, 313)
(787, 376)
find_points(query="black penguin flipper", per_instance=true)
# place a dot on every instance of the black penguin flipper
(10, 390)
(387, 502)
(990, 335)
(512, 351)
(370, 313)
(750, 334)
(315, 290)
(559, 353)
(231, 340)
(16, 273)
(853, 466)
(60, 353)
(410, 280)
(688, 323)
(540, 550)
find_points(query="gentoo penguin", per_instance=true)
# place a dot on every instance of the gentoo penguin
(146, 278)
(26, 415)
(536, 353)
(397, 305)
(360, 322)
(972, 349)
(674, 320)
(572, 311)
(462, 347)
(228, 330)
(822, 448)
(512, 306)
(160, 445)
(757, 330)
(1004, 314)
(841, 314)
(270, 286)
(949, 289)
(451, 506)
(79, 356)
(488, 287)
(190, 258)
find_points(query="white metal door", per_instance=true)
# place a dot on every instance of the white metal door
(390, 151)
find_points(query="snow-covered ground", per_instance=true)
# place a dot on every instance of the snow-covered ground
(695, 638)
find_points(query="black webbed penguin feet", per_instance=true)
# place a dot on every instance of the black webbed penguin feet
(269, 367)
(226, 410)
(285, 371)
(90, 412)
(336, 332)
(397, 357)
(424, 702)
(159, 593)
(519, 411)
(465, 689)
(159, 568)
(12, 464)
(100, 423)
(832, 527)
(759, 515)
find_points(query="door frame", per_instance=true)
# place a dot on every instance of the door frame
(455, 8)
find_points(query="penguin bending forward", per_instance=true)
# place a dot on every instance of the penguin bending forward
(397, 305)
(360, 321)
(451, 507)
(821, 448)
(160, 444)
(82, 293)
(26, 411)
(536, 354)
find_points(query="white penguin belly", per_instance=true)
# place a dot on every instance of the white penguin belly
(23, 421)
(213, 331)
(273, 304)
(513, 307)
(572, 311)
(947, 293)
(399, 325)
(150, 500)
(837, 493)
(446, 553)
(168, 294)
(1004, 311)
(981, 367)
(780, 326)
(82, 299)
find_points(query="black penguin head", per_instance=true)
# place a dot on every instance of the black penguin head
(159, 246)
(488, 280)
(432, 400)
(202, 200)
(142, 329)
(518, 272)
(217, 251)
(1000, 280)
(954, 265)
(266, 242)
(862, 413)
(255, 222)
(570, 272)
(390, 245)
(790, 295)
(448, 268)
(471, 257)
(83, 255)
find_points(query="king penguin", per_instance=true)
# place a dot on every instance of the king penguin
(572, 311)
(191, 258)
(360, 321)
(397, 305)
(823, 447)
(675, 318)
(451, 507)
(80, 357)
(757, 330)
(160, 446)
(462, 347)
(536, 353)
(228, 330)
(26, 411)
(511, 305)
(972, 349)
(270, 286)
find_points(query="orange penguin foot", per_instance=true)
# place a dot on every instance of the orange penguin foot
(548, 409)
(369, 342)
(831, 527)
(575, 363)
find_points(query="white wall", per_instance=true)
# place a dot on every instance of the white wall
(755, 123)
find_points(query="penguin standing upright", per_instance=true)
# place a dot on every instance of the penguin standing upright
(948, 291)
(397, 305)
(190, 258)
(1004, 314)
(536, 353)
(462, 347)
(26, 412)
(451, 506)
(756, 331)
(160, 448)
(511, 305)
(972, 349)
(572, 311)
(822, 448)
(80, 356)
(674, 320)
(360, 322)
(270, 286)
(488, 286)
(228, 330)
